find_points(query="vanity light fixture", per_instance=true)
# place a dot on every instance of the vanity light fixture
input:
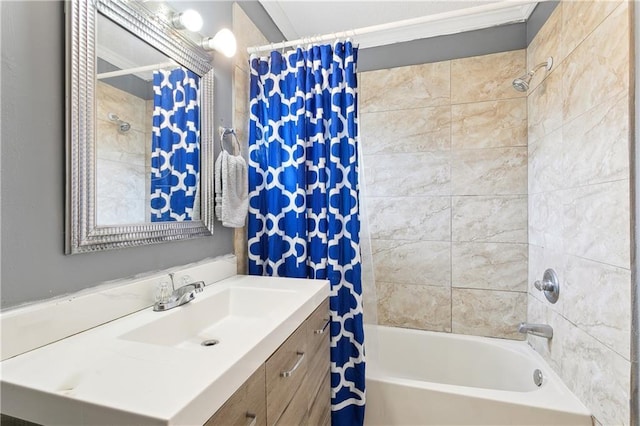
(189, 20)
(224, 42)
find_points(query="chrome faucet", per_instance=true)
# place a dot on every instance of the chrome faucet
(542, 330)
(180, 296)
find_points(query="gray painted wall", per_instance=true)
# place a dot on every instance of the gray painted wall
(33, 264)
(443, 48)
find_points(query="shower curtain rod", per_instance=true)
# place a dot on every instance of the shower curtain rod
(455, 17)
(305, 40)
(135, 70)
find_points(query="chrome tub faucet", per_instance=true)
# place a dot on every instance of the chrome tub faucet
(542, 330)
(179, 296)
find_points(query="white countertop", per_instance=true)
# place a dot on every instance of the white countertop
(107, 375)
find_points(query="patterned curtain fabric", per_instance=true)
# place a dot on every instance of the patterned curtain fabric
(175, 145)
(303, 194)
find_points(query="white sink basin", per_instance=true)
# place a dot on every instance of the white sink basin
(221, 316)
(149, 368)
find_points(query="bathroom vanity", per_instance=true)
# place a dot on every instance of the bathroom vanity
(247, 350)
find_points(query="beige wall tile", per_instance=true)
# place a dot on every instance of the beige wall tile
(489, 219)
(490, 266)
(114, 145)
(597, 222)
(412, 262)
(490, 171)
(487, 77)
(415, 86)
(489, 124)
(411, 138)
(546, 219)
(546, 163)
(580, 18)
(126, 106)
(393, 175)
(607, 317)
(546, 43)
(414, 306)
(241, 108)
(488, 313)
(596, 144)
(545, 106)
(409, 218)
(247, 35)
(597, 375)
(601, 61)
(240, 247)
(120, 211)
(409, 130)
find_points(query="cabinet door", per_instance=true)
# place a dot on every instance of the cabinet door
(247, 406)
(285, 370)
(320, 411)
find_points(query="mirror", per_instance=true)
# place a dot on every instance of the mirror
(139, 129)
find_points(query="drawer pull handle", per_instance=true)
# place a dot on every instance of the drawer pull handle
(252, 419)
(323, 329)
(295, 367)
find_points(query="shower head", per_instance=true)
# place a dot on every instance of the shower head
(521, 84)
(123, 126)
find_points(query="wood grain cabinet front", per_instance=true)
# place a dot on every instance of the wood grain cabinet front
(292, 387)
(246, 407)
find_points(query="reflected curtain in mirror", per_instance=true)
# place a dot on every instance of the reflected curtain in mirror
(175, 146)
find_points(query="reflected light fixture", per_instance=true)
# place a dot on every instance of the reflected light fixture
(187, 20)
(224, 42)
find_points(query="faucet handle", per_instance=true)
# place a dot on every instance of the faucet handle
(550, 285)
(544, 286)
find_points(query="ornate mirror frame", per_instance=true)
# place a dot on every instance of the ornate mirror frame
(83, 233)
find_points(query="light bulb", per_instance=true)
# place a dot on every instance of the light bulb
(189, 19)
(224, 42)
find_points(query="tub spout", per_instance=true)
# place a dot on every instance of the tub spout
(542, 330)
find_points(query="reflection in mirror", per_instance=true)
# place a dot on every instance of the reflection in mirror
(147, 133)
(139, 126)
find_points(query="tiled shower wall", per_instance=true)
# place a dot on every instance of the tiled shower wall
(445, 164)
(579, 200)
(121, 170)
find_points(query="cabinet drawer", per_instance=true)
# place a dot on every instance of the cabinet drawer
(318, 328)
(284, 371)
(246, 406)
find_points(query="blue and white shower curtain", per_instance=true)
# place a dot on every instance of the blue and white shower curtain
(175, 145)
(303, 194)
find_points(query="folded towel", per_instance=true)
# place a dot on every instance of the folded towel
(231, 190)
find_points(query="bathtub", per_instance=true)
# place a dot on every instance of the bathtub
(418, 377)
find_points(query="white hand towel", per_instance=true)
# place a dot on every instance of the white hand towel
(231, 190)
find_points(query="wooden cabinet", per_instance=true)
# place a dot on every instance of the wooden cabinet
(246, 406)
(292, 387)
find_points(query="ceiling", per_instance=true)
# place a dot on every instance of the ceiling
(416, 19)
